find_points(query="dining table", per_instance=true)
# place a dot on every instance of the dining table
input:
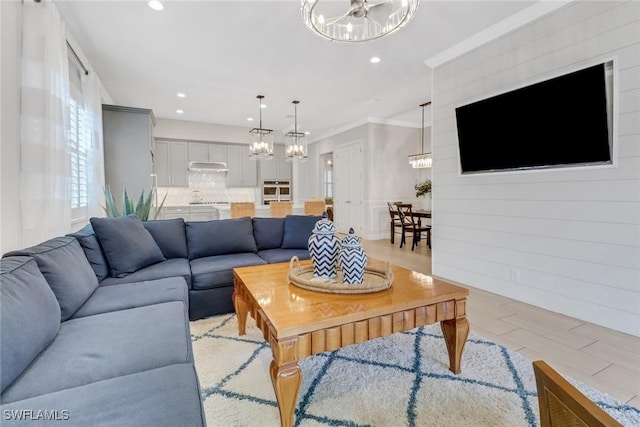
(418, 213)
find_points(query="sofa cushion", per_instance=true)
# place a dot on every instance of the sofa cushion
(67, 270)
(297, 230)
(29, 315)
(126, 243)
(108, 345)
(162, 397)
(216, 271)
(177, 267)
(170, 236)
(273, 256)
(92, 250)
(220, 237)
(137, 294)
(268, 232)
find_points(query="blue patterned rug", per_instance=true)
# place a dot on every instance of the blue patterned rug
(400, 380)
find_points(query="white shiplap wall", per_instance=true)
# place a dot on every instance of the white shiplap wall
(566, 239)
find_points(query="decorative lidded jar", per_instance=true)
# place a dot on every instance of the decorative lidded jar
(324, 248)
(353, 259)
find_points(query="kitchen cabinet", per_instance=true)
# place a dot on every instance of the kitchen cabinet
(128, 145)
(174, 212)
(198, 152)
(243, 171)
(203, 152)
(276, 168)
(171, 161)
(190, 213)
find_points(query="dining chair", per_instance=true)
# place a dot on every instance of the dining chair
(280, 209)
(314, 207)
(242, 209)
(561, 404)
(395, 226)
(410, 225)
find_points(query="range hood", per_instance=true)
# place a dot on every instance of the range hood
(208, 167)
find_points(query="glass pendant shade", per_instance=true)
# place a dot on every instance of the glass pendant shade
(421, 160)
(296, 145)
(261, 145)
(353, 21)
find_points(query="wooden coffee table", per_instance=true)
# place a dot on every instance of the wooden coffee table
(299, 323)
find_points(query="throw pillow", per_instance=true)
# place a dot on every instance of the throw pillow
(170, 236)
(297, 230)
(127, 245)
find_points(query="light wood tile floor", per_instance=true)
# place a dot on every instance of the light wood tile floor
(602, 358)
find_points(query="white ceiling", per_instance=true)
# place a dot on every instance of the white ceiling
(222, 54)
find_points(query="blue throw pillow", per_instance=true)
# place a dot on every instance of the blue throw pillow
(268, 232)
(170, 236)
(297, 230)
(220, 237)
(29, 314)
(93, 251)
(127, 245)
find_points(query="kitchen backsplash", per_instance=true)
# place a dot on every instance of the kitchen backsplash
(207, 187)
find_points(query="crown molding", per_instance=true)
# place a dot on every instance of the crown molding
(507, 25)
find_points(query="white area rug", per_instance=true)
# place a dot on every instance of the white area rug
(400, 380)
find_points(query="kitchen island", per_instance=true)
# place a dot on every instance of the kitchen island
(211, 211)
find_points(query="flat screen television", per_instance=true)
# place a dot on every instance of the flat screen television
(564, 121)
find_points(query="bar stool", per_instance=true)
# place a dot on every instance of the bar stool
(242, 209)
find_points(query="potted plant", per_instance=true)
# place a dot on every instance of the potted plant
(423, 189)
(142, 208)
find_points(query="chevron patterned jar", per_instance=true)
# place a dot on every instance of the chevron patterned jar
(353, 259)
(324, 249)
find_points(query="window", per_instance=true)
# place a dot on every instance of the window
(78, 146)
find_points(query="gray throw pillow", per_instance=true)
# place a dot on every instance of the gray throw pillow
(127, 245)
(297, 230)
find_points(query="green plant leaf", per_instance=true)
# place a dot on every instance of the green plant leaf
(111, 209)
(159, 208)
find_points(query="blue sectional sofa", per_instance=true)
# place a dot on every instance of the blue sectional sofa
(95, 325)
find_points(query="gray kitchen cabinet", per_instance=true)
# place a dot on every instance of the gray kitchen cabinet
(174, 212)
(198, 152)
(171, 161)
(243, 171)
(217, 153)
(276, 168)
(128, 144)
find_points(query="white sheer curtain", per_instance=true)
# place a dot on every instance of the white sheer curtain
(44, 175)
(93, 104)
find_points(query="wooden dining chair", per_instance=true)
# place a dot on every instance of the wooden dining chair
(395, 226)
(280, 209)
(314, 207)
(242, 209)
(561, 404)
(410, 225)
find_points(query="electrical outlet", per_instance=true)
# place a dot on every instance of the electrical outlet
(514, 275)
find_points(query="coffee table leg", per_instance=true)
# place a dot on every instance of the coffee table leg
(455, 333)
(241, 310)
(286, 383)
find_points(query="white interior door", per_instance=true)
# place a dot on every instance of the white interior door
(348, 187)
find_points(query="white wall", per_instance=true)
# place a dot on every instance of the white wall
(11, 24)
(387, 174)
(197, 131)
(572, 235)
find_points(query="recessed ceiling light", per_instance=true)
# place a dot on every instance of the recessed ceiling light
(374, 60)
(307, 133)
(179, 111)
(249, 119)
(181, 95)
(155, 5)
(263, 105)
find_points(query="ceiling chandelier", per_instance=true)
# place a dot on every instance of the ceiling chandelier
(422, 160)
(261, 146)
(363, 21)
(296, 141)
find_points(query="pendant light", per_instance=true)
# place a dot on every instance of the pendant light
(422, 160)
(261, 146)
(296, 149)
